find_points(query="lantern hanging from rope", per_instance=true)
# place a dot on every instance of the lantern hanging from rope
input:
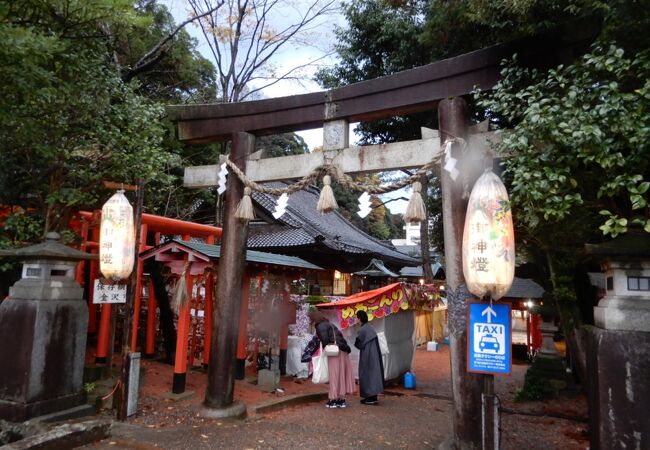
(117, 238)
(489, 239)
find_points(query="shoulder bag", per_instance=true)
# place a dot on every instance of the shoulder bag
(332, 349)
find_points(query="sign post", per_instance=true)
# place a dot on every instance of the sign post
(490, 338)
(489, 345)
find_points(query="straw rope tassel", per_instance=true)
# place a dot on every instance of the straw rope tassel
(179, 296)
(415, 211)
(326, 201)
(244, 210)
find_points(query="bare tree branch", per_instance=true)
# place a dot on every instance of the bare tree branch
(388, 201)
(286, 76)
(159, 50)
(244, 44)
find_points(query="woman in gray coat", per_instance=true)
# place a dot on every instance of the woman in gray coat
(371, 366)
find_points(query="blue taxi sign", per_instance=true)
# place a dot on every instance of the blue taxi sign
(489, 338)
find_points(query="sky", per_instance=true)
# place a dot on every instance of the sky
(323, 34)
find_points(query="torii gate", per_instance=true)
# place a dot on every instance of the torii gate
(439, 84)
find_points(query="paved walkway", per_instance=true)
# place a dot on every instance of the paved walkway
(419, 419)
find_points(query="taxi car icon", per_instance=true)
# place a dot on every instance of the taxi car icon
(489, 343)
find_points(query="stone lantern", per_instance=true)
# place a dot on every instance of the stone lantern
(618, 347)
(626, 263)
(43, 325)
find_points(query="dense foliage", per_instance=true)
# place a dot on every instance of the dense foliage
(576, 135)
(73, 113)
(593, 112)
(579, 140)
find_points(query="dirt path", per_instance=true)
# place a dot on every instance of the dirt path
(417, 419)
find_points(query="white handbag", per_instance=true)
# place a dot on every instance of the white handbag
(332, 349)
(321, 371)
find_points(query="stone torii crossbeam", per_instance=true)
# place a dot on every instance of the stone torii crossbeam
(440, 85)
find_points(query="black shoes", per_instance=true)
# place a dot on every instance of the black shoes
(340, 403)
(370, 400)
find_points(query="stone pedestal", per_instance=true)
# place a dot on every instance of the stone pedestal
(618, 348)
(630, 313)
(43, 326)
(41, 356)
(618, 388)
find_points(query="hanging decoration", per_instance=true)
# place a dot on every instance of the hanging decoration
(365, 207)
(377, 303)
(244, 210)
(117, 238)
(488, 239)
(179, 295)
(281, 206)
(415, 210)
(223, 173)
(326, 201)
(450, 161)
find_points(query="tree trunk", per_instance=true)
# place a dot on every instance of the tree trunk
(571, 322)
(424, 236)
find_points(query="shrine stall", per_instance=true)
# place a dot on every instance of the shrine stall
(391, 310)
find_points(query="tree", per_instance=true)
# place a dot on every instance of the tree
(67, 120)
(578, 136)
(82, 89)
(284, 144)
(162, 56)
(245, 35)
(379, 40)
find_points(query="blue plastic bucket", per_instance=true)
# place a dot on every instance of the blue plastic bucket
(409, 380)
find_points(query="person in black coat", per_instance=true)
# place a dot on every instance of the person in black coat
(341, 379)
(371, 366)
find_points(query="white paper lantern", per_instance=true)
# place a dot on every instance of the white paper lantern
(117, 238)
(489, 239)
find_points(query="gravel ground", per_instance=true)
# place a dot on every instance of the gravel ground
(417, 419)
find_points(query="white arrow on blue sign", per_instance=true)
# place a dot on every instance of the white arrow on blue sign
(489, 338)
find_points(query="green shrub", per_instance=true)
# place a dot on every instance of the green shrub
(536, 387)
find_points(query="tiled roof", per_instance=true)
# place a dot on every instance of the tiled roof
(303, 226)
(524, 288)
(418, 272)
(214, 252)
(376, 268)
(634, 243)
(288, 237)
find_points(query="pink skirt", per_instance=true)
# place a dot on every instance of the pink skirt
(341, 377)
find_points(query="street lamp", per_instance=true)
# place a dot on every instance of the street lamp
(117, 238)
(489, 239)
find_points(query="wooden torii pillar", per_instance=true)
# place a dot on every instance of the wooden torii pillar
(420, 89)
